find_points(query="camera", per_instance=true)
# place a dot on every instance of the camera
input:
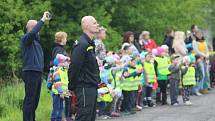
(49, 15)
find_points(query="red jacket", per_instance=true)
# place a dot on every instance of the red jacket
(150, 45)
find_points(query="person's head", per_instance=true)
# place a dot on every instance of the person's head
(198, 59)
(61, 38)
(127, 49)
(61, 60)
(169, 33)
(179, 36)
(175, 58)
(128, 37)
(188, 33)
(30, 25)
(102, 33)
(199, 35)
(160, 51)
(194, 28)
(132, 62)
(149, 57)
(186, 60)
(145, 35)
(89, 25)
(166, 49)
(154, 51)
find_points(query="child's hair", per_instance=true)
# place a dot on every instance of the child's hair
(60, 37)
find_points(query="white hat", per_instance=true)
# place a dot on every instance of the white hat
(145, 33)
(186, 59)
(165, 47)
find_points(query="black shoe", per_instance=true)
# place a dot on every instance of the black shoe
(165, 103)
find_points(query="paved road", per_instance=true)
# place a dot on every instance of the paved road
(203, 109)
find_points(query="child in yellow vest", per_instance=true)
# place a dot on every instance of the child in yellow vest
(161, 66)
(188, 79)
(150, 79)
(58, 84)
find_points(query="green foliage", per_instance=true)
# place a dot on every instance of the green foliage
(118, 16)
(158, 15)
(12, 99)
(14, 15)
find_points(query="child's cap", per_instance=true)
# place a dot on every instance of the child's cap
(154, 52)
(186, 59)
(160, 50)
(165, 47)
(174, 56)
(60, 58)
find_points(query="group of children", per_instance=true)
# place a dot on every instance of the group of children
(131, 82)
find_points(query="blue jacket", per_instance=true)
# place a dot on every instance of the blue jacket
(32, 53)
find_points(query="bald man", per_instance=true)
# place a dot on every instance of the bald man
(32, 57)
(84, 71)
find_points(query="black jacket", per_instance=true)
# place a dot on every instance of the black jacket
(83, 70)
(57, 49)
(169, 42)
(32, 52)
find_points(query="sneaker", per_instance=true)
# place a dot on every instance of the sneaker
(115, 114)
(139, 107)
(198, 94)
(188, 103)
(175, 104)
(132, 112)
(152, 105)
(104, 117)
(128, 113)
(145, 106)
(165, 103)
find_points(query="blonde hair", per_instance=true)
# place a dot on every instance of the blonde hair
(178, 43)
(179, 36)
(60, 37)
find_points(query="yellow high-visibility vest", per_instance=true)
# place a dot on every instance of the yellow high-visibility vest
(150, 72)
(189, 77)
(163, 65)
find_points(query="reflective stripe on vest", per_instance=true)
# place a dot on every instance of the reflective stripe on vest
(150, 72)
(189, 77)
(163, 65)
(129, 84)
(116, 83)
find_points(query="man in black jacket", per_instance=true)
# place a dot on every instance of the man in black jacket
(33, 63)
(84, 71)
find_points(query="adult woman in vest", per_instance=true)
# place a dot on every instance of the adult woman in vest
(201, 49)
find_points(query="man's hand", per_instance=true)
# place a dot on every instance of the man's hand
(45, 16)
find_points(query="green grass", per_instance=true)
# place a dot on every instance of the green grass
(11, 98)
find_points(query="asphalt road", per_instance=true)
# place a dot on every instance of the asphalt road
(203, 109)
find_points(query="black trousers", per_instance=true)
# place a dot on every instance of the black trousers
(68, 106)
(162, 85)
(127, 101)
(33, 82)
(86, 104)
